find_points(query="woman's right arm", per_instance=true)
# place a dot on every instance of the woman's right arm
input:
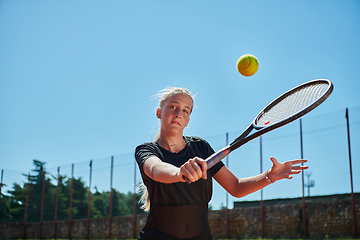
(166, 173)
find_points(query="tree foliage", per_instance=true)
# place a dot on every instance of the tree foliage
(12, 206)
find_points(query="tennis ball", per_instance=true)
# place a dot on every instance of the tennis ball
(247, 65)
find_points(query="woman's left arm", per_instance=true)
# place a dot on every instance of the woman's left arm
(240, 187)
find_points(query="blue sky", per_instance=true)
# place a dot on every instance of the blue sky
(77, 80)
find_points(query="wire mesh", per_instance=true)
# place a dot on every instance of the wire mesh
(325, 146)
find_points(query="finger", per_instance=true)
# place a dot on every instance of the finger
(196, 164)
(298, 161)
(300, 167)
(201, 162)
(194, 169)
(188, 171)
(274, 161)
(295, 172)
(187, 176)
(287, 175)
(203, 165)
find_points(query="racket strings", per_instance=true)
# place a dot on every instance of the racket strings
(295, 102)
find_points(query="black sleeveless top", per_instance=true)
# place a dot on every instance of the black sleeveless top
(177, 210)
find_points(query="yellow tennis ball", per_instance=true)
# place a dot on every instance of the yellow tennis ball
(247, 65)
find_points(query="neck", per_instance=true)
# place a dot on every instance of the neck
(172, 144)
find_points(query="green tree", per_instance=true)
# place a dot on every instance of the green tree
(18, 196)
(122, 204)
(63, 199)
(12, 207)
(5, 214)
(115, 210)
(98, 208)
(79, 198)
(17, 201)
(35, 194)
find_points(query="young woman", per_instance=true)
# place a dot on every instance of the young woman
(179, 210)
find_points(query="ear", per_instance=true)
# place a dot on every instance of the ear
(158, 113)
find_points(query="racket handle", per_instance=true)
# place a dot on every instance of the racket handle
(212, 160)
(217, 157)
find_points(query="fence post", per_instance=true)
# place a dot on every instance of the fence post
(227, 194)
(70, 204)
(351, 176)
(89, 205)
(110, 200)
(56, 202)
(303, 186)
(42, 205)
(134, 203)
(261, 192)
(26, 207)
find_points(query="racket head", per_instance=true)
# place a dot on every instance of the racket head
(293, 104)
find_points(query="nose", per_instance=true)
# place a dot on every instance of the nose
(178, 113)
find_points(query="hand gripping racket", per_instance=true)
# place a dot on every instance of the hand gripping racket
(286, 108)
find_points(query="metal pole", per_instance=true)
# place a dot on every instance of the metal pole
(303, 187)
(308, 185)
(26, 207)
(56, 202)
(70, 204)
(261, 192)
(89, 205)
(134, 203)
(227, 194)
(42, 206)
(111, 191)
(351, 176)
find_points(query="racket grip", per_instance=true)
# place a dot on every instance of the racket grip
(213, 159)
(217, 157)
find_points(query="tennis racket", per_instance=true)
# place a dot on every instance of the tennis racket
(288, 107)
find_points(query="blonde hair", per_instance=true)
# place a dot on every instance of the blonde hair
(166, 93)
(163, 95)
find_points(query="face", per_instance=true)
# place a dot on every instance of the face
(175, 112)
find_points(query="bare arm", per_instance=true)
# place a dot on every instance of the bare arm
(166, 173)
(240, 187)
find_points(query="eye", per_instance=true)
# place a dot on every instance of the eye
(187, 111)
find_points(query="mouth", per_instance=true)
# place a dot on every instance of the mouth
(175, 122)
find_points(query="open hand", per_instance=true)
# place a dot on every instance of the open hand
(286, 169)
